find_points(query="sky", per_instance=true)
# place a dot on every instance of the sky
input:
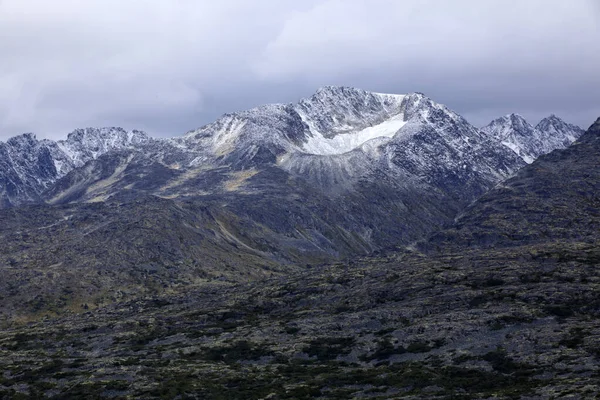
(169, 66)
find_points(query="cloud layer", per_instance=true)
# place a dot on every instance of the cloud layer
(170, 66)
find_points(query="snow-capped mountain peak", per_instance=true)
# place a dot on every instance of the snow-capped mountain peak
(341, 119)
(23, 139)
(503, 127)
(86, 144)
(28, 166)
(334, 110)
(528, 142)
(334, 120)
(336, 137)
(553, 125)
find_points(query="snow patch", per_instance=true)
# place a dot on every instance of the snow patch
(514, 147)
(346, 142)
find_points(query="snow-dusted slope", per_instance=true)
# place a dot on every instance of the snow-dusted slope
(514, 132)
(83, 145)
(334, 139)
(335, 120)
(340, 120)
(29, 166)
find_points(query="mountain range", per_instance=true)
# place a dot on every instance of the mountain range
(333, 139)
(531, 142)
(499, 303)
(256, 193)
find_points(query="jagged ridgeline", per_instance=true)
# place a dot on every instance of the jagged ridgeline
(266, 191)
(555, 202)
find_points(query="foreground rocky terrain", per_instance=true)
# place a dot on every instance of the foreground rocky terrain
(503, 304)
(505, 323)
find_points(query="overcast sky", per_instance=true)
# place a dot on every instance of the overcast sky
(168, 66)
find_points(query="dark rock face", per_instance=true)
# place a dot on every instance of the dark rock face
(26, 168)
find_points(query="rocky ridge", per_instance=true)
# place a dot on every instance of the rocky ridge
(30, 166)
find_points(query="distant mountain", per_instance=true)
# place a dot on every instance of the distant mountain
(371, 154)
(529, 142)
(334, 139)
(29, 166)
(555, 199)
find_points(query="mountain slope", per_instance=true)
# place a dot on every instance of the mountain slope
(29, 166)
(557, 198)
(26, 168)
(55, 258)
(517, 320)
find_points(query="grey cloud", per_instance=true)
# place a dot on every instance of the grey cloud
(168, 67)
